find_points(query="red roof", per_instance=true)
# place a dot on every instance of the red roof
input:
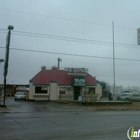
(59, 76)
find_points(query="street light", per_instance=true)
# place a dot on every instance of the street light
(1, 60)
(10, 27)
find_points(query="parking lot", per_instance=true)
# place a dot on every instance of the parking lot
(45, 120)
(50, 106)
(39, 106)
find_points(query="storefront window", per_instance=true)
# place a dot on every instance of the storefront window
(89, 90)
(86, 90)
(41, 89)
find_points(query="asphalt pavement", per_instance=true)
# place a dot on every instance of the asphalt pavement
(56, 121)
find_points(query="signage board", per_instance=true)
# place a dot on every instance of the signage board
(79, 81)
(80, 98)
(76, 70)
(62, 90)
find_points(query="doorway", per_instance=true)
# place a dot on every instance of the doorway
(76, 92)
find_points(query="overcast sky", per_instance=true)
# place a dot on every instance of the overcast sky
(81, 19)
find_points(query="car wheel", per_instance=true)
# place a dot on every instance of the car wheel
(15, 99)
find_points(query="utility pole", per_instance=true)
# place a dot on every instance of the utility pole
(114, 90)
(59, 60)
(10, 27)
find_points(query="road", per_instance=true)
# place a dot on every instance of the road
(54, 121)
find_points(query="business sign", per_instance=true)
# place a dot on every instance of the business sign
(76, 71)
(62, 90)
(79, 81)
(80, 98)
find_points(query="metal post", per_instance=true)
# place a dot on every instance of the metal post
(113, 59)
(58, 63)
(10, 27)
(1, 60)
(59, 59)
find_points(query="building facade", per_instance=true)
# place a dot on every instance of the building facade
(66, 84)
(11, 89)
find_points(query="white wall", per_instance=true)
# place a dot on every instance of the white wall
(53, 91)
(98, 91)
(31, 91)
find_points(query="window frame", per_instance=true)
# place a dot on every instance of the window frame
(39, 93)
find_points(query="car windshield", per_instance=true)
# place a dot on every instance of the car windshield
(20, 93)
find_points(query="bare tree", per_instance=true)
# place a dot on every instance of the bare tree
(135, 88)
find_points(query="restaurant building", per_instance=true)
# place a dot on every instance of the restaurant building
(68, 84)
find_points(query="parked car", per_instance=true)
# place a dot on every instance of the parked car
(135, 97)
(20, 96)
(125, 96)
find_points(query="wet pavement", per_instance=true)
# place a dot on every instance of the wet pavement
(39, 106)
(55, 121)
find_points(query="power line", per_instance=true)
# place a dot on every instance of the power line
(54, 36)
(71, 39)
(90, 56)
(65, 39)
(80, 40)
(66, 19)
(3, 29)
(3, 32)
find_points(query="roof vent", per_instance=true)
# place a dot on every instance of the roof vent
(54, 68)
(43, 67)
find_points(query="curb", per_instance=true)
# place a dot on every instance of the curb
(115, 109)
(61, 102)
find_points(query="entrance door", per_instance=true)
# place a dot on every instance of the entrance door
(76, 93)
